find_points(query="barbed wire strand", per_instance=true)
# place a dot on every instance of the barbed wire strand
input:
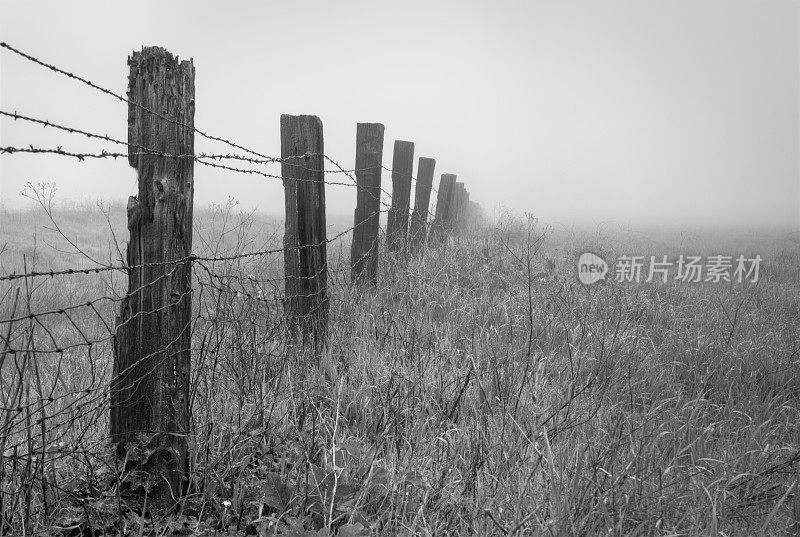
(191, 257)
(126, 100)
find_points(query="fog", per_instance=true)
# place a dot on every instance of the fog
(631, 112)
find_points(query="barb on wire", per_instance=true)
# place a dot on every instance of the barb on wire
(59, 151)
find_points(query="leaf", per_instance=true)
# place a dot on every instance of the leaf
(321, 481)
(343, 492)
(380, 477)
(294, 527)
(275, 492)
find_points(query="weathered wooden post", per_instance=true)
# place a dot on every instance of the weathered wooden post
(456, 211)
(304, 240)
(402, 172)
(422, 199)
(150, 384)
(466, 213)
(455, 203)
(369, 161)
(443, 200)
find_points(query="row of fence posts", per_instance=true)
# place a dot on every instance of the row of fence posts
(150, 384)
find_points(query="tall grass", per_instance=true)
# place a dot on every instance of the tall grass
(479, 389)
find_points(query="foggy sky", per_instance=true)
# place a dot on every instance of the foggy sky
(684, 111)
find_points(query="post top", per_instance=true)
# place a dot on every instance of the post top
(158, 53)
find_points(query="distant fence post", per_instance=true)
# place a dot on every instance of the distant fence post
(150, 384)
(402, 171)
(422, 199)
(369, 160)
(465, 212)
(452, 213)
(443, 201)
(304, 240)
(456, 211)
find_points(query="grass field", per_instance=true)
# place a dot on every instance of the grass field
(480, 389)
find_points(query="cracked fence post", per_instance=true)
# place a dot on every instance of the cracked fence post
(304, 241)
(422, 199)
(402, 171)
(150, 384)
(369, 161)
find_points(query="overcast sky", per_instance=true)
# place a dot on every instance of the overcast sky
(684, 111)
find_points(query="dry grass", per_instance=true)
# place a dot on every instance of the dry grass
(467, 394)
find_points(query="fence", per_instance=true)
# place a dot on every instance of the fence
(176, 308)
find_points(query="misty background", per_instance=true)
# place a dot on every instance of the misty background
(635, 112)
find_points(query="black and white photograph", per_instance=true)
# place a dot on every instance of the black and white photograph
(409, 268)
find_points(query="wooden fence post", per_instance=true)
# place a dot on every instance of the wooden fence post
(422, 199)
(150, 385)
(402, 171)
(443, 200)
(452, 215)
(304, 240)
(369, 162)
(466, 217)
(456, 216)
(455, 203)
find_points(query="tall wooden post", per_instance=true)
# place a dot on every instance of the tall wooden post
(402, 171)
(422, 199)
(150, 383)
(443, 200)
(304, 241)
(369, 161)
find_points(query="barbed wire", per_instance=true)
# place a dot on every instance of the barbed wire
(86, 341)
(73, 130)
(90, 303)
(171, 120)
(189, 258)
(269, 160)
(62, 152)
(200, 158)
(104, 154)
(125, 100)
(197, 158)
(144, 150)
